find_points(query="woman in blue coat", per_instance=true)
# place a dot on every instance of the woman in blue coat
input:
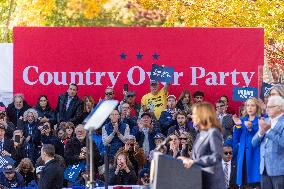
(248, 159)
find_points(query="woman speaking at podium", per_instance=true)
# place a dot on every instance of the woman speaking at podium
(207, 150)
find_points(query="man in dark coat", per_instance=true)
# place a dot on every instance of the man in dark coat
(17, 108)
(52, 173)
(69, 106)
(76, 150)
(229, 168)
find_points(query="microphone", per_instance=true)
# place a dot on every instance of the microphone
(163, 143)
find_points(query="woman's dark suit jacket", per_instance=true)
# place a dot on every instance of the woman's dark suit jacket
(207, 153)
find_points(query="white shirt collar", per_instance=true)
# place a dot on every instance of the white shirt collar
(228, 162)
(48, 161)
(275, 120)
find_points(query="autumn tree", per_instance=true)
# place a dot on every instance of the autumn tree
(229, 13)
(174, 13)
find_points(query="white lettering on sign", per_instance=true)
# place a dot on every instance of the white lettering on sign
(245, 94)
(33, 75)
(218, 78)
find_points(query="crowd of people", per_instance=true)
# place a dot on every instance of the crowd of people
(43, 142)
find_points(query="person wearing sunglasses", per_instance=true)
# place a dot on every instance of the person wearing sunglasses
(109, 93)
(228, 167)
(186, 142)
(134, 106)
(156, 100)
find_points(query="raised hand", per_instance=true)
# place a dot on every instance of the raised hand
(263, 126)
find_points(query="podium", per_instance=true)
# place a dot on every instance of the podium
(170, 173)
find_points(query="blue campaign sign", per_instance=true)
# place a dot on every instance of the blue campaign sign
(162, 73)
(265, 88)
(4, 160)
(72, 172)
(244, 93)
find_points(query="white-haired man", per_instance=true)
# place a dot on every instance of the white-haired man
(270, 137)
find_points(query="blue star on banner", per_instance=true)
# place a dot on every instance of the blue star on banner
(156, 56)
(123, 56)
(139, 56)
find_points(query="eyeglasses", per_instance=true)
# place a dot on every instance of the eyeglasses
(173, 139)
(130, 96)
(270, 107)
(108, 94)
(228, 153)
(183, 138)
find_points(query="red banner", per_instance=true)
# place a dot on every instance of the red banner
(215, 60)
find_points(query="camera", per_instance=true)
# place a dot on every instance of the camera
(45, 127)
(17, 138)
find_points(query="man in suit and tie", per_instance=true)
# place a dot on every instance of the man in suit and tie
(270, 137)
(6, 145)
(229, 167)
(52, 173)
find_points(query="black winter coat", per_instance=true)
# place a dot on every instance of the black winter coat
(74, 112)
(51, 176)
(14, 114)
(48, 113)
(73, 150)
(123, 178)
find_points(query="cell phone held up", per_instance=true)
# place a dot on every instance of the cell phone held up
(17, 138)
(125, 87)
